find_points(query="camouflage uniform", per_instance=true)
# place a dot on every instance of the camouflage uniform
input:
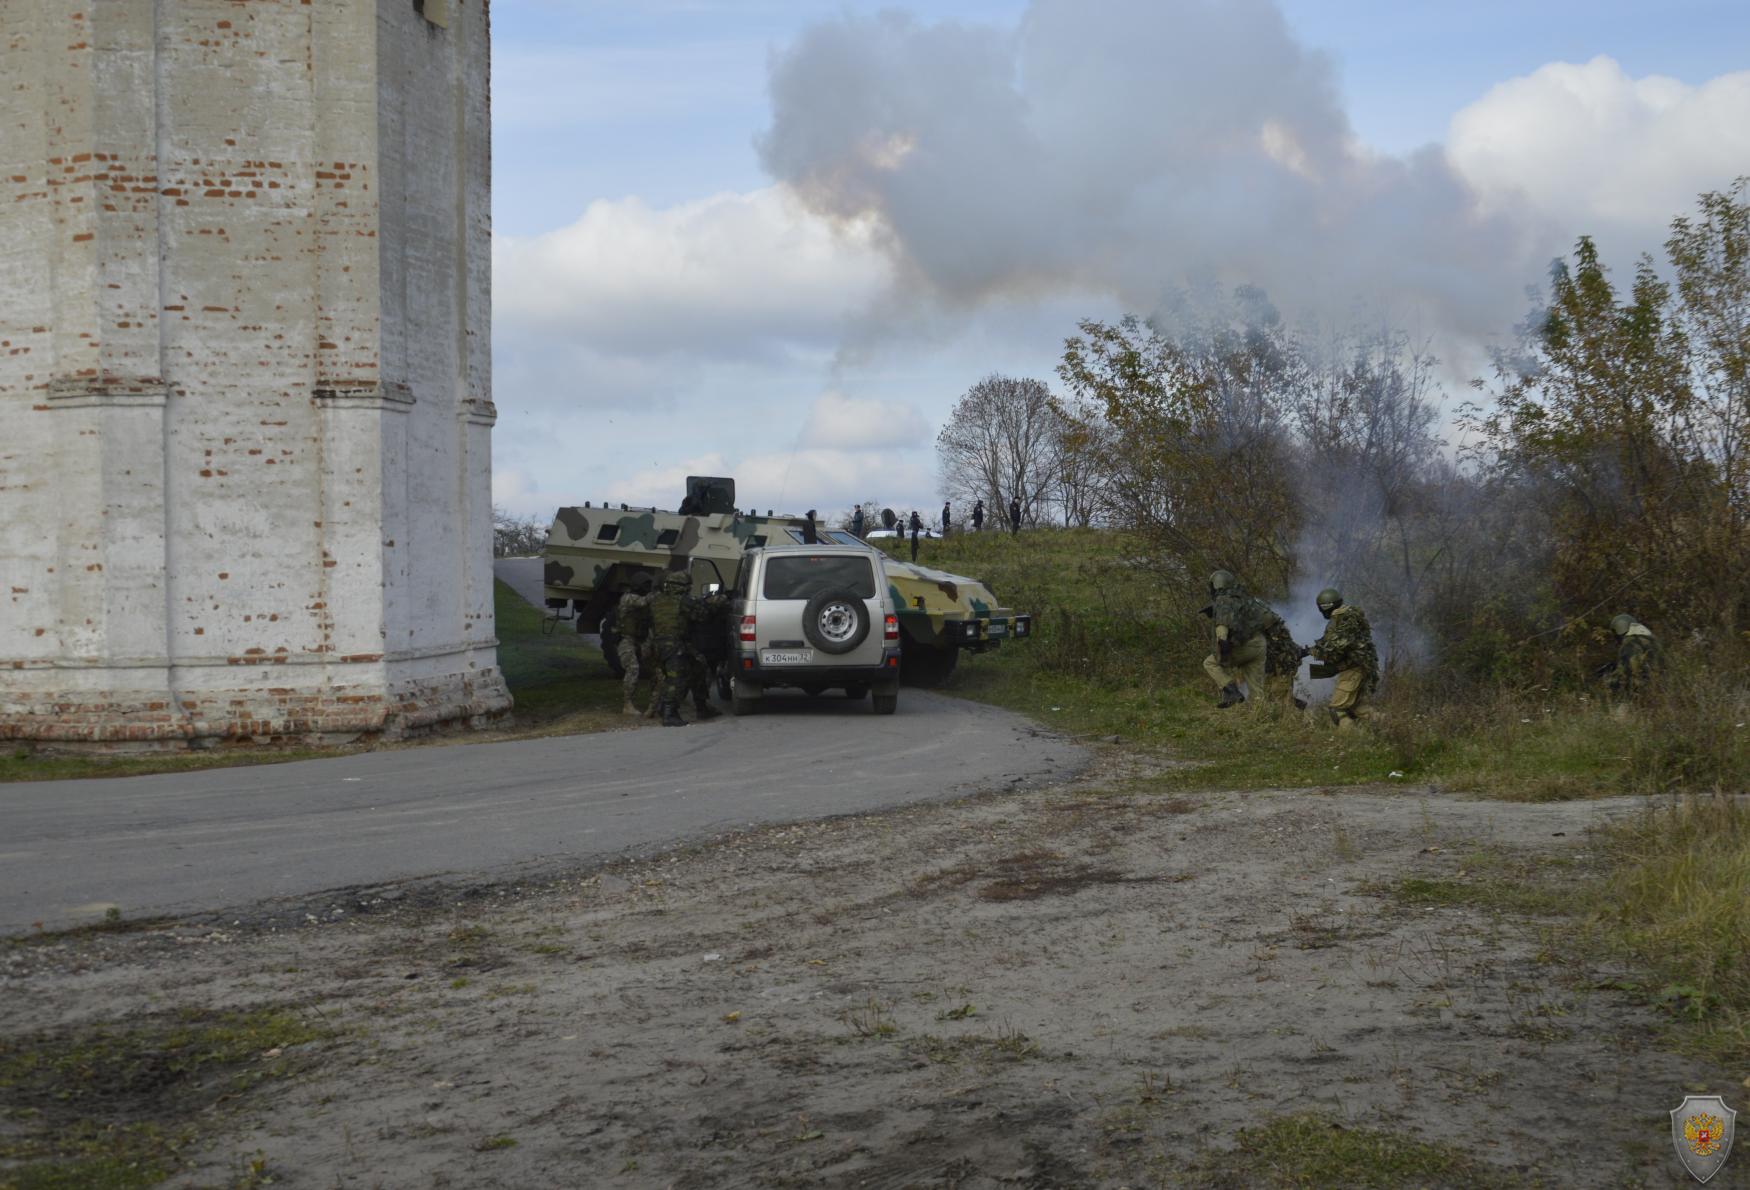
(1638, 658)
(1281, 654)
(708, 634)
(1240, 621)
(1347, 648)
(670, 614)
(632, 627)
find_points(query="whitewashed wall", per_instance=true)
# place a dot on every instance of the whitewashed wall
(245, 395)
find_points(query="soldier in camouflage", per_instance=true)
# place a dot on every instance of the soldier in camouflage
(1638, 656)
(670, 615)
(1346, 652)
(708, 635)
(1241, 626)
(1282, 656)
(632, 628)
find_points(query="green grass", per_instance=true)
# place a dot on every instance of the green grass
(1524, 894)
(560, 683)
(114, 1104)
(1314, 1150)
(1118, 650)
(1676, 904)
(22, 765)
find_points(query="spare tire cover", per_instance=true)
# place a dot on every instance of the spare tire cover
(835, 621)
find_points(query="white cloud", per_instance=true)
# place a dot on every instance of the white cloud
(1592, 150)
(839, 422)
(730, 276)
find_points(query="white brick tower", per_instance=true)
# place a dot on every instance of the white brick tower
(245, 374)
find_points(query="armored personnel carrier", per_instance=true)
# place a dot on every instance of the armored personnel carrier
(594, 552)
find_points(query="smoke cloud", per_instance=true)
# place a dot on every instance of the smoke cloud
(1128, 148)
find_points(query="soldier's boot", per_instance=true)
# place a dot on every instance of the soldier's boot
(1230, 696)
(671, 715)
(630, 707)
(703, 710)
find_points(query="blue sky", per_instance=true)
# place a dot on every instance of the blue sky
(664, 301)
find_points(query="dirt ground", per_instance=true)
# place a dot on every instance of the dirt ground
(1092, 984)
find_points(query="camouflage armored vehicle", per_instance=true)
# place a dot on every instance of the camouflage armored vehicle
(594, 552)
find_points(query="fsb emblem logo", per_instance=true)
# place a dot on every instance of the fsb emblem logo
(1701, 1128)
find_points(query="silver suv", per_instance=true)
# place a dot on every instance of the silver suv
(814, 617)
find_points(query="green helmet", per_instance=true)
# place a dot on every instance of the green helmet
(676, 580)
(1330, 599)
(1622, 623)
(641, 583)
(1222, 580)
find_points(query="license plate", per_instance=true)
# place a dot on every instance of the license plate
(787, 657)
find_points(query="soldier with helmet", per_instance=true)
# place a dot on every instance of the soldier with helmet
(1638, 656)
(708, 636)
(1346, 652)
(1242, 624)
(631, 627)
(669, 624)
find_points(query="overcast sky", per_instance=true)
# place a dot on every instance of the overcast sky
(778, 240)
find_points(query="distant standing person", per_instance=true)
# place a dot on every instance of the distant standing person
(945, 518)
(917, 526)
(810, 534)
(978, 517)
(857, 522)
(1014, 514)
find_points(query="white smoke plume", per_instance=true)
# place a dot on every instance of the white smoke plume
(1127, 148)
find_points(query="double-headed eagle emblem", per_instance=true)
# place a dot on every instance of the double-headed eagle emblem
(1701, 1128)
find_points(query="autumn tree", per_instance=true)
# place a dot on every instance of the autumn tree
(1596, 425)
(1710, 256)
(1192, 429)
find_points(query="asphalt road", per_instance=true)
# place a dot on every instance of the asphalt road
(226, 838)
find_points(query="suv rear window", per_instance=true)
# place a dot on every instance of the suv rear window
(803, 576)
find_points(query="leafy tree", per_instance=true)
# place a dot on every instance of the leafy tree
(1711, 258)
(1193, 432)
(1597, 426)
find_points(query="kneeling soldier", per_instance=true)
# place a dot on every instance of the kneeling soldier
(1240, 625)
(1346, 652)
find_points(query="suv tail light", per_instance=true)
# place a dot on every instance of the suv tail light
(747, 628)
(889, 632)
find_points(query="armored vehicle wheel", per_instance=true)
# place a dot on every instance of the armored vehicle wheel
(743, 700)
(927, 665)
(887, 702)
(835, 621)
(855, 692)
